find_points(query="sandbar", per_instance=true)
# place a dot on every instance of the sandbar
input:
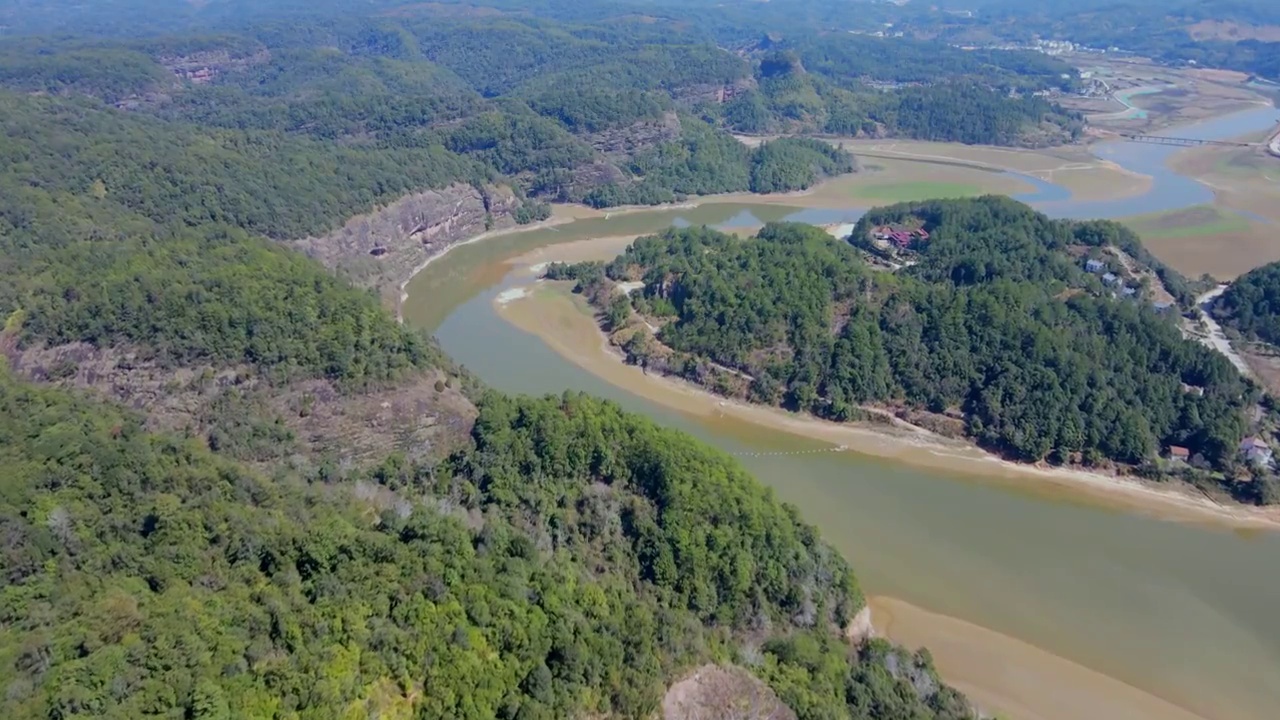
(1003, 674)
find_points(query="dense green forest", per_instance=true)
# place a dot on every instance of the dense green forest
(789, 98)
(998, 325)
(567, 559)
(1163, 30)
(1251, 304)
(572, 561)
(528, 98)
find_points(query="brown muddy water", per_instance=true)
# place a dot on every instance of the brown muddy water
(1039, 601)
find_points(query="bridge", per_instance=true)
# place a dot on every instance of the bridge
(1181, 141)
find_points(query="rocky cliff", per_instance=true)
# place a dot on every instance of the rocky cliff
(384, 248)
(203, 67)
(621, 142)
(712, 92)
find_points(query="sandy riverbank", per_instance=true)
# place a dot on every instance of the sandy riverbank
(563, 322)
(1006, 675)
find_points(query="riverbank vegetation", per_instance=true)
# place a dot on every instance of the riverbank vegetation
(996, 331)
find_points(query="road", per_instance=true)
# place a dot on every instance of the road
(1216, 339)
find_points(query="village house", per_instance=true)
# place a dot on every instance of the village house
(1178, 453)
(1094, 266)
(1162, 307)
(1110, 279)
(1255, 451)
(901, 238)
(1193, 389)
(1128, 291)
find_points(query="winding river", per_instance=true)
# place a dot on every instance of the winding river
(1185, 615)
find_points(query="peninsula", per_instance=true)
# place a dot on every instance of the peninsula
(1034, 338)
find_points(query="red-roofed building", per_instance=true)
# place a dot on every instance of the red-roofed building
(922, 234)
(901, 238)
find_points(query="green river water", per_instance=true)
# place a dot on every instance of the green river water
(1188, 613)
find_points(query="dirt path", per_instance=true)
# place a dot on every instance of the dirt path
(1216, 339)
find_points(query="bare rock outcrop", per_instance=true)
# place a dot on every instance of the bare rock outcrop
(384, 248)
(625, 141)
(205, 66)
(713, 692)
(859, 629)
(713, 92)
(425, 415)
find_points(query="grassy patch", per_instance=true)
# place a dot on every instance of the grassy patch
(1247, 164)
(1187, 222)
(921, 190)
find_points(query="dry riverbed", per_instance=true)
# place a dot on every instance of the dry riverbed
(1073, 167)
(1237, 232)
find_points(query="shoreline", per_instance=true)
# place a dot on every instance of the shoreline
(917, 448)
(566, 213)
(1001, 673)
(563, 213)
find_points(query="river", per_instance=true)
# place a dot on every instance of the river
(1187, 613)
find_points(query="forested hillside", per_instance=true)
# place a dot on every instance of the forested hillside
(820, 84)
(1218, 33)
(564, 111)
(565, 565)
(997, 326)
(1251, 304)
(236, 487)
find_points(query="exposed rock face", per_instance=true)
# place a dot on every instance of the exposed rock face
(717, 93)
(860, 629)
(203, 67)
(618, 142)
(385, 247)
(723, 693)
(423, 416)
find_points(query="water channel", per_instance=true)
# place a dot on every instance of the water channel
(1188, 613)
